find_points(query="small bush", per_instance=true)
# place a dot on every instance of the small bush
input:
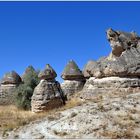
(23, 96)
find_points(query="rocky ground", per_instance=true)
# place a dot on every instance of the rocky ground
(105, 116)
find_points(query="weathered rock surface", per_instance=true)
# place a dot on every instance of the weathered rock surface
(95, 86)
(11, 78)
(73, 79)
(109, 116)
(48, 73)
(72, 72)
(7, 94)
(46, 96)
(48, 93)
(8, 85)
(88, 67)
(124, 59)
(71, 86)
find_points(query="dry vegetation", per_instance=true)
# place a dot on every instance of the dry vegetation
(12, 118)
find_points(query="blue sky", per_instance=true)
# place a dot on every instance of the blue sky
(37, 33)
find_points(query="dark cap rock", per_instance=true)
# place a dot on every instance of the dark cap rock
(11, 78)
(72, 72)
(48, 73)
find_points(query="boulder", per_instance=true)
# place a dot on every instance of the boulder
(73, 79)
(48, 93)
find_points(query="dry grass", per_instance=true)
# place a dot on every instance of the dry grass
(11, 117)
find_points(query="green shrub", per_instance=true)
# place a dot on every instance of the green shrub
(25, 90)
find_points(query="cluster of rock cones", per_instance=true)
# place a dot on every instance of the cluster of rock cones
(119, 72)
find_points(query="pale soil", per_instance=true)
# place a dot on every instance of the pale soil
(107, 116)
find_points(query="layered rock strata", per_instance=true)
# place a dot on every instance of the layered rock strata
(123, 64)
(48, 93)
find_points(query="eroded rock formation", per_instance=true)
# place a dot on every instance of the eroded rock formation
(8, 84)
(73, 79)
(123, 62)
(48, 93)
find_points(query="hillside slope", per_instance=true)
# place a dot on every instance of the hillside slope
(105, 116)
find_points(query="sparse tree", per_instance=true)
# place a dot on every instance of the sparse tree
(25, 90)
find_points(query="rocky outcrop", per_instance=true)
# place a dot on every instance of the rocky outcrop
(8, 84)
(95, 86)
(124, 60)
(73, 79)
(123, 64)
(48, 93)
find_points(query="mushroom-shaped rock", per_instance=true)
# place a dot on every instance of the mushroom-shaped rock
(72, 72)
(73, 79)
(48, 73)
(11, 78)
(47, 95)
(8, 85)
